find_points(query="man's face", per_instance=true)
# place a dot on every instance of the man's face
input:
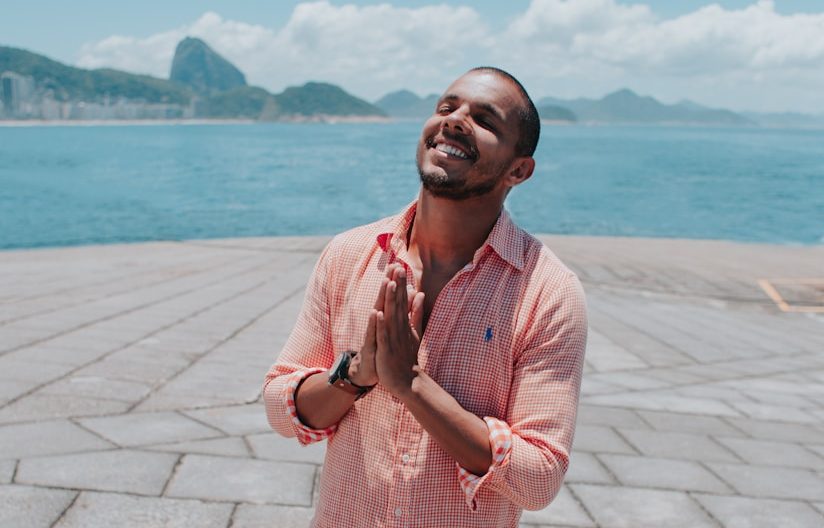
(469, 143)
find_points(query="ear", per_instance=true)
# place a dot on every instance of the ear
(520, 171)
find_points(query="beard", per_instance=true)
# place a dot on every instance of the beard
(441, 186)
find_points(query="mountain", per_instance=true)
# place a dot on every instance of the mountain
(65, 83)
(204, 85)
(315, 98)
(625, 106)
(407, 105)
(201, 69)
(556, 113)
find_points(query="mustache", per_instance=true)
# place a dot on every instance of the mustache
(452, 138)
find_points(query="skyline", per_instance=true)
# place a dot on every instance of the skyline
(756, 56)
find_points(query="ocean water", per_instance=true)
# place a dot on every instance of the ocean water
(62, 186)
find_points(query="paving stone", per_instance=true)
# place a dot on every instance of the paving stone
(663, 473)
(137, 429)
(768, 453)
(46, 438)
(258, 516)
(564, 510)
(236, 420)
(48, 407)
(232, 446)
(771, 482)
(610, 416)
(605, 355)
(17, 370)
(818, 448)
(622, 507)
(121, 470)
(26, 507)
(7, 470)
(105, 510)
(779, 431)
(745, 512)
(820, 506)
(14, 389)
(779, 413)
(272, 446)
(243, 480)
(682, 446)
(658, 401)
(584, 467)
(599, 439)
(689, 423)
(98, 387)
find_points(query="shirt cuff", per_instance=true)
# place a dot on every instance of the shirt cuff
(500, 440)
(305, 434)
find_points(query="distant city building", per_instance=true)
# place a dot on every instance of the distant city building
(17, 95)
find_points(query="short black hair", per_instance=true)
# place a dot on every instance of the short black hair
(530, 122)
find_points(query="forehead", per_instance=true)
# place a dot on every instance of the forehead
(486, 88)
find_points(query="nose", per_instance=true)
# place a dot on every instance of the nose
(456, 121)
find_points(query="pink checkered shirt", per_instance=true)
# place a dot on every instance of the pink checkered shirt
(505, 338)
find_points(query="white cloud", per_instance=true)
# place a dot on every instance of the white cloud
(564, 47)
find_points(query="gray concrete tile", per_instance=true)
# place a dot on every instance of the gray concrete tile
(778, 413)
(817, 448)
(584, 467)
(609, 416)
(746, 512)
(688, 423)
(98, 387)
(622, 507)
(682, 446)
(48, 407)
(664, 473)
(769, 453)
(236, 420)
(243, 480)
(771, 482)
(232, 446)
(779, 431)
(106, 510)
(272, 446)
(7, 470)
(14, 389)
(137, 429)
(260, 516)
(46, 438)
(599, 439)
(22, 370)
(564, 510)
(120, 470)
(27, 507)
(663, 401)
(819, 506)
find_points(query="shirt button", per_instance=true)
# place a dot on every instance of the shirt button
(398, 512)
(405, 459)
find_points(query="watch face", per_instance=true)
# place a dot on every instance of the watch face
(335, 373)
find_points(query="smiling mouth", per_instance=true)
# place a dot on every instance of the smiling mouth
(451, 149)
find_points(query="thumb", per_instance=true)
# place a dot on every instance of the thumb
(416, 320)
(369, 343)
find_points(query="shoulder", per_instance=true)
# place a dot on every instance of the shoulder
(352, 245)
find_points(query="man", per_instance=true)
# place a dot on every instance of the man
(457, 404)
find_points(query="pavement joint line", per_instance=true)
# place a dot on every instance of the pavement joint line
(583, 506)
(597, 456)
(66, 509)
(74, 420)
(131, 343)
(132, 310)
(179, 412)
(252, 453)
(240, 329)
(620, 435)
(231, 521)
(172, 474)
(705, 510)
(108, 296)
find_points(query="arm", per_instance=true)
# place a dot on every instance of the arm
(531, 450)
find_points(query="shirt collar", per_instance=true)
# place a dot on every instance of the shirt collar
(505, 238)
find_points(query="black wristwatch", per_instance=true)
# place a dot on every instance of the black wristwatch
(339, 376)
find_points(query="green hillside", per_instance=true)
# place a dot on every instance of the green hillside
(314, 98)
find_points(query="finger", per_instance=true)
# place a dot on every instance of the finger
(417, 313)
(380, 329)
(371, 330)
(381, 294)
(401, 300)
(410, 296)
(389, 301)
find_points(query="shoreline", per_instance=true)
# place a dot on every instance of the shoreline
(324, 119)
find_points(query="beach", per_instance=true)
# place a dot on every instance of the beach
(130, 378)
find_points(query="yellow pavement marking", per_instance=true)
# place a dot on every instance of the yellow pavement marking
(784, 306)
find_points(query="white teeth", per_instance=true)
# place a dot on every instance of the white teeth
(449, 149)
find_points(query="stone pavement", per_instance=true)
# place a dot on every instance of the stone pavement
(130, 383)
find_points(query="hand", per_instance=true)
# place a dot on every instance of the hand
(398, 333)
(362, 369)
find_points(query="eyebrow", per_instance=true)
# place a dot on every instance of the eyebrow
(487, 107)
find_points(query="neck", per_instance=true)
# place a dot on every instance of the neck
(446, 233)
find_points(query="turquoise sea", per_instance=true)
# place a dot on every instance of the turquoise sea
(73, 185)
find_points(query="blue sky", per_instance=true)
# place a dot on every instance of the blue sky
(742, 54)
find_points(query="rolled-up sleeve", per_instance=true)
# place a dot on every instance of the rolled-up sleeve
(540, 422)
(308, 351)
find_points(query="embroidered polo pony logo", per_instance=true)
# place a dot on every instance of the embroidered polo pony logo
(488, 334)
